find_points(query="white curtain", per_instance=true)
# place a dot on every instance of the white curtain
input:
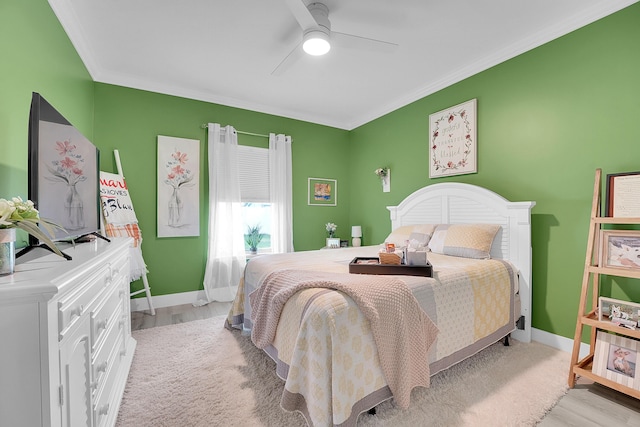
(281, 193)
(226, 256)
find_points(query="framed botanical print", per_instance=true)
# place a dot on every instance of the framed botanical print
(178, 187)
(453, 141)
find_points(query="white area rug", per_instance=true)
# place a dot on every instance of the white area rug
(201, 374)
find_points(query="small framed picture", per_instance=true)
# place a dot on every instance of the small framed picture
(623, 313)
(616, 359)
(621, 199)
(322, 192)
(620, 249)
(333, 242)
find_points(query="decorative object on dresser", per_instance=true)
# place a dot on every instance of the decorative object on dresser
(16, 213)
(611, 316)
(66, 334)
(7, 250)
(453, 140)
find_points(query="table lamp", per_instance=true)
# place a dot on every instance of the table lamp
(356, 233)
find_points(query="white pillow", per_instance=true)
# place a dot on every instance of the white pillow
(400, 235)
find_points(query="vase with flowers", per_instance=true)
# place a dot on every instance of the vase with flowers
(19, 214)
(331, 229)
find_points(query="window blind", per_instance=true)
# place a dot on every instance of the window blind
(253, 165)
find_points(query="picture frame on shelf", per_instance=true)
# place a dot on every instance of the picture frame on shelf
(322, 192)
(620, 249)
(625, 313)
(615, 358)
(621, 195)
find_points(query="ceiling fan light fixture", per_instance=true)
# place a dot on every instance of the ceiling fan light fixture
(316, 43)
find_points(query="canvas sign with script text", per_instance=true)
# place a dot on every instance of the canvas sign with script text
(117, 207)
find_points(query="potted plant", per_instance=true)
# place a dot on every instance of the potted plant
(253, 238)
(16, 213)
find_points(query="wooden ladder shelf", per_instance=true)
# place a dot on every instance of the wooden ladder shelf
(591, 284)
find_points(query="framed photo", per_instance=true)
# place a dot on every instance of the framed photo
(616, 359)
(322, 192)
(178, 187)
(624, 313)
(620, 249)
(453, 143)
(622, 195)
(333, 242)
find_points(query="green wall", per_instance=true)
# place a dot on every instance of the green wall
(37, 56)
(130, 120)
(546, 120)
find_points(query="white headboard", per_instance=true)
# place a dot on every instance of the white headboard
(458, 203)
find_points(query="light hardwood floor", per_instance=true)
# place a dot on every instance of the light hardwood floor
(585, 405)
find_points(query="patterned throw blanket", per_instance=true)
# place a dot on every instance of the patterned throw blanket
(402, 331)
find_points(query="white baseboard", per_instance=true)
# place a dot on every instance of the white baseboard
(543, 337)
(159, 301)
(557, 342)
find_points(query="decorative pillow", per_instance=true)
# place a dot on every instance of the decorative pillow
(421, 232)
(464, 240)
(419, 240)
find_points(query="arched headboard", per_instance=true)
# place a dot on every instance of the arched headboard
(458, 203)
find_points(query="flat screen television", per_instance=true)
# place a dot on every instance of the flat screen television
(63, 173)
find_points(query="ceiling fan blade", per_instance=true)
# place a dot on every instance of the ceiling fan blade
(294, 56)
(302, 14)
(351, 41)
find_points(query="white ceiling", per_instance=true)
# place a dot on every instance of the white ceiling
(224, 51)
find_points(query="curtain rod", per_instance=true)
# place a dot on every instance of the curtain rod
(204, 126)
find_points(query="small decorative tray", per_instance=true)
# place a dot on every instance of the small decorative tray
(371, 265)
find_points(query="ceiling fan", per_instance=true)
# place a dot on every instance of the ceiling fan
(317, 37)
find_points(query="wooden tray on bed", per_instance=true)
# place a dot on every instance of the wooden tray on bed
(371, 265)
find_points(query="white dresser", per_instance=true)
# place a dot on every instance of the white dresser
(65, 332)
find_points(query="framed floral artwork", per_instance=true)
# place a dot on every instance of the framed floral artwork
(453, 141)
(178, 187)
(322, 192)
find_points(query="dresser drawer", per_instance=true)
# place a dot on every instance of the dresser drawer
(108, 311)
(78, 302)
(104, 401)
(107, 353)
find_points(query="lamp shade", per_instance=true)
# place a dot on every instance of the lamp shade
(356, 231)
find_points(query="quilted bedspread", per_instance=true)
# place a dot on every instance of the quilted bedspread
(324, 346)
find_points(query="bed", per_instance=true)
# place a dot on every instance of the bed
(339, 338)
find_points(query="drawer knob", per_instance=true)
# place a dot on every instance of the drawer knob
(103, 410)
(102, 367)
(102, 324)
(77, 311)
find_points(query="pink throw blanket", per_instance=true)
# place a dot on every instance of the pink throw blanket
(402, 331)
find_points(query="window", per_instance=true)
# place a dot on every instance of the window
(253, 165)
